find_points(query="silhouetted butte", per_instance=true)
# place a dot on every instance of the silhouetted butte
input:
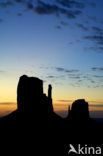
(79, 110)
(32, 103)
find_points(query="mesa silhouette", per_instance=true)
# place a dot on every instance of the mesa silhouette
(32, 100)
(33, 104)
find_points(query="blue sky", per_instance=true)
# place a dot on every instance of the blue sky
(60, 41)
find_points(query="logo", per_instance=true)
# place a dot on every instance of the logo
(72, 149)
(85, 150)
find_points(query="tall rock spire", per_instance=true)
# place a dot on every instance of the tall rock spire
(50, 92)
(50, 106)
(69, 109)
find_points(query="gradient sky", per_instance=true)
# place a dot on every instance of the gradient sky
(59, 41)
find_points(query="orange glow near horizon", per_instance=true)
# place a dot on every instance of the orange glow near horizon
(59, 105)
(63, 96)
(6, 108)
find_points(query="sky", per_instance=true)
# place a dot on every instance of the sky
(59, 41)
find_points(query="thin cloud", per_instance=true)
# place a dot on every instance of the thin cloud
(7, 103)
(30, 5)
(74, 77)
(1, 20)
(92, 81)
(55, 77)
(97, 68)
(81, 26)
(70, 43)
(93, 18)
(98, 49)
(59, 69)
(98, 76)
(19, 1)
(43, 8)
(65, 101)
(71, 4)
(6, 4)
(97, 29)
(101, 105)
(2, 71)
(92, 4)
(51, 77)
(58, 27)
(95, 38)
(19, 14)
(63, 23)
(46, 8)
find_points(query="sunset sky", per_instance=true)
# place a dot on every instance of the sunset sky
(59, 41)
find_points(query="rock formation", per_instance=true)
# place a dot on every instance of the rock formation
(79, 110)
(32, 103)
